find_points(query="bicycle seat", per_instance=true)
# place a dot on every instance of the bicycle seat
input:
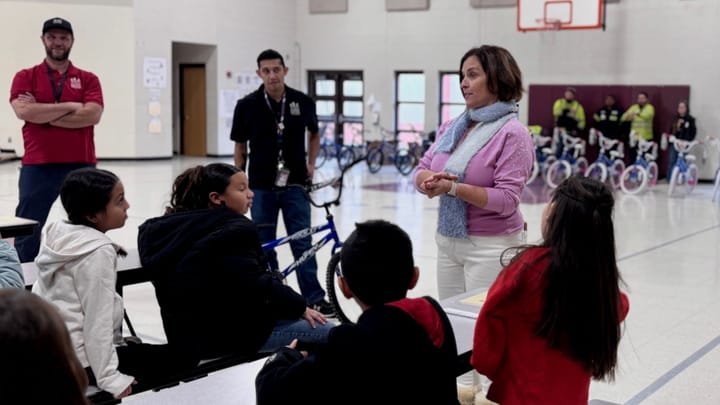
(615, 154)
(546, 151)
(690, 158)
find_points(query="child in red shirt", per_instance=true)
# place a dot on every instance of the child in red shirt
(551, 321)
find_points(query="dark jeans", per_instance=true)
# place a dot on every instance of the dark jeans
(296, 216)
(39, 186)
(673, 160)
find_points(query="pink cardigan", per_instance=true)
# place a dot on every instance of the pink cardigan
(502, 166)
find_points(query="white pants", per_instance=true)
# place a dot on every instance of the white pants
(469, 264)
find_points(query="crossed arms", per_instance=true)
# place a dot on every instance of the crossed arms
(65, 115)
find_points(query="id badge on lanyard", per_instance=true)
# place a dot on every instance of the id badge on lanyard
(283, 173)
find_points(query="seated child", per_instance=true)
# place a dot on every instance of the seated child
(401, 351)
(77, 271)
(215, 294)
(551, 321)
(11, 275)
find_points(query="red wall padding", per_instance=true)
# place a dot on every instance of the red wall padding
(664, 98)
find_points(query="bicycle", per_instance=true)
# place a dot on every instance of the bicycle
(643, 173)
(716, 143)
(397, 152)
(685, 171)
(330, 149)
(609, 160)
(572, 161)
(328, 226)
(544, 156)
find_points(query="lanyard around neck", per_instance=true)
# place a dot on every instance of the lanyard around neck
(57, 91)
(280, 124)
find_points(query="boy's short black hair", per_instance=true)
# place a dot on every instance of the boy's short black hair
(377, 262)
(270, 54)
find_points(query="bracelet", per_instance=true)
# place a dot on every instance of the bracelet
(453, 189)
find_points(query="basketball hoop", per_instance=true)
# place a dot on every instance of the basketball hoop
(551, 24)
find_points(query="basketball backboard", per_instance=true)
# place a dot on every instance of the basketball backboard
(542, 15)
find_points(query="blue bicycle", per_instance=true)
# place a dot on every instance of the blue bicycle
(544, 154)
(685, 172)
(609, 163)
(572, 161)
(643, 173)
(328, 226)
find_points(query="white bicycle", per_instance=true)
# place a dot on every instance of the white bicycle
(609, 163)
(544, 156)
(572, 161)
(684, 173)
(643, 173)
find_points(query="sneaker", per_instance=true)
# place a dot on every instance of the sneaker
(324, 308)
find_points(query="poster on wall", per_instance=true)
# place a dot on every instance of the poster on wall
(247, 82)
(226, 109)
(155, 73)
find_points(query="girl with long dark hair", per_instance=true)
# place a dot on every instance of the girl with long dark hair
(551, 321)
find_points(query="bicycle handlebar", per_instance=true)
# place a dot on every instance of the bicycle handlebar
(336, 182)
(682, 146)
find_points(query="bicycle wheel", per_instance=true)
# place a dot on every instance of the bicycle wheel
(692, 177)
(546, 165)
(321, 157)
(534, 173)
(375, 159)
(674, 180)
(581, 165)
(633, 179)
(652, 174)
(597, 171)
(716, 186)
(615, 173)
(333, 289)
(345, 157)
(557, 173)
(405, 163)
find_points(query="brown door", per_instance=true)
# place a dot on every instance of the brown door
(193, 128)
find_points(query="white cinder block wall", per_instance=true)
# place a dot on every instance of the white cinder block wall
(646, 42)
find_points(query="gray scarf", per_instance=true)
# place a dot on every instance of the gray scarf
(452, 220)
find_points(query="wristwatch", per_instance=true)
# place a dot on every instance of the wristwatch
(453, 189)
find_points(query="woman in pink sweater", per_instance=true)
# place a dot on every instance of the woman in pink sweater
(478, 167)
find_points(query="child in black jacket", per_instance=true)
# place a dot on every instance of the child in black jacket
(401, 351)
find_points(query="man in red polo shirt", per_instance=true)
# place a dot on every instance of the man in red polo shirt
(60, 105)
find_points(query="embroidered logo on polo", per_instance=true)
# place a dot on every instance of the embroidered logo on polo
(294, 108)
(75, 83)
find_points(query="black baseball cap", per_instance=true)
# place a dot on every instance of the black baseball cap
(57, 23)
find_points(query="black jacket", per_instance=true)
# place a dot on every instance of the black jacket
(215, 296)
(684, 127)
(401, 353)
(607, 121)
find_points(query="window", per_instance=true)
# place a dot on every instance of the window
(338, 98)
(409, 105)
(452, 102)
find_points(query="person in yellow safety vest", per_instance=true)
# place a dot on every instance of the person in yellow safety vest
(641, 117)
(568, 112)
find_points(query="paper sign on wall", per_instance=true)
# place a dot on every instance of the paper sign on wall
(155, 73)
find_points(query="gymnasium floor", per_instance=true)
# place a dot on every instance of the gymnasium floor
(668, 250)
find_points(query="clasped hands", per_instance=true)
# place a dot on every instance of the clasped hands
(438, 184)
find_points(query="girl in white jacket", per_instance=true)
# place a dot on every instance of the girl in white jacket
(77, 272)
